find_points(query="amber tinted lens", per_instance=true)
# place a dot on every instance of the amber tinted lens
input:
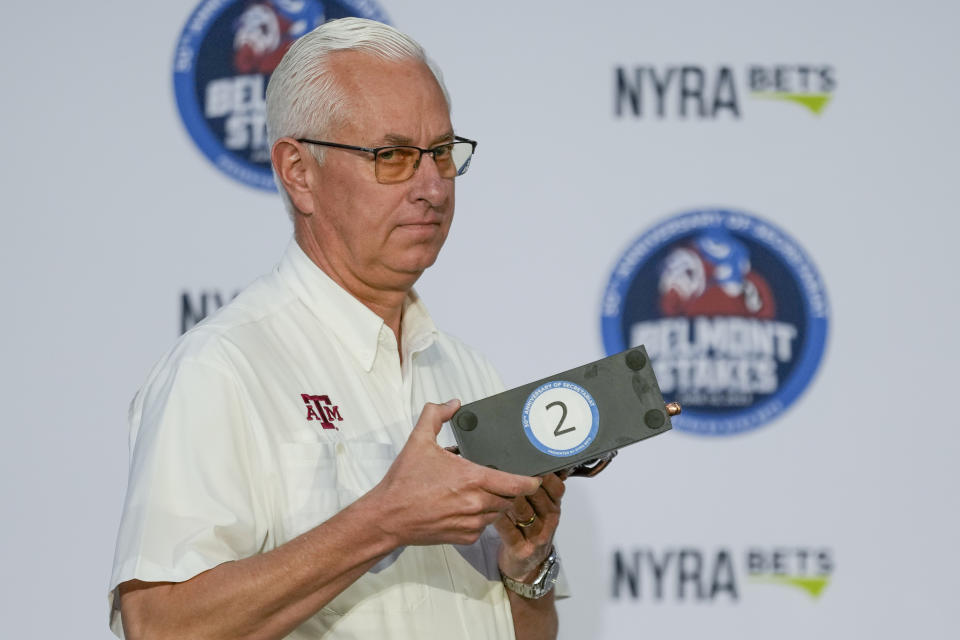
(453, 159)
(396, 164)
(444, 157)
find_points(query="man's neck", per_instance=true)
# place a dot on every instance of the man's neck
(386, 303)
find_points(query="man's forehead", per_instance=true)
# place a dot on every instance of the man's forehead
(361, 72)
(390, 101)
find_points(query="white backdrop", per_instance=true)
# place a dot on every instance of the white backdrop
(112, 214)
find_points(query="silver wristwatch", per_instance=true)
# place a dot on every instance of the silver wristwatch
(542, 584)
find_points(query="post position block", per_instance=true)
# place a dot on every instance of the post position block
(566, 420)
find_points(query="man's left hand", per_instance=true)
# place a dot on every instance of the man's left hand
(525, 548)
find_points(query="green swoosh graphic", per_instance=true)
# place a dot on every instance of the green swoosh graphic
(815, 102)
(813, 586)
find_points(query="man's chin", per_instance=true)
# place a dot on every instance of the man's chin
(416, 256)
(407, 272)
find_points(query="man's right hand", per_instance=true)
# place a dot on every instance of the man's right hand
(432, 496)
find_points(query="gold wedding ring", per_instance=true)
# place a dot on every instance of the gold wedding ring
(524, 525)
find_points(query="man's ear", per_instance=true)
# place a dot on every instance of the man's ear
(290, 161)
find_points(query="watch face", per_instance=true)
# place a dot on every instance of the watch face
(544, 582)
(552, 574)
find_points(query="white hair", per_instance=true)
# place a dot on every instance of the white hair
(303, 98)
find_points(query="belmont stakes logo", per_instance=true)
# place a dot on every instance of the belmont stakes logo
(731, 310)
(224, 58)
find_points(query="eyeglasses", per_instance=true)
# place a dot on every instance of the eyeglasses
(398, 163)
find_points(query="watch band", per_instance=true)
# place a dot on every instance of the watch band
(542, 584)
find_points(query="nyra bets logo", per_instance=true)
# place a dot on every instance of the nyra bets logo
(732, 313)
(224, 58)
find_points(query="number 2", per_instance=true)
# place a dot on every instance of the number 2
(557, 431)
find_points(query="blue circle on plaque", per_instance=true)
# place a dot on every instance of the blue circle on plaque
(560, 418)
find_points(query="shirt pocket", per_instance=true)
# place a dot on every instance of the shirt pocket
(361, 465)
(309, 483)
(322, 478)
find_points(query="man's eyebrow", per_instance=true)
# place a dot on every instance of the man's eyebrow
(396, 138)
(446, 137)
(401, 140)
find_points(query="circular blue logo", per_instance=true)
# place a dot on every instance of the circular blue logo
(731, 310)
(226, 53)
(560, 418)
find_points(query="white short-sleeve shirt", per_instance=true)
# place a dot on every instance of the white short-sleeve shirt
(276, 413)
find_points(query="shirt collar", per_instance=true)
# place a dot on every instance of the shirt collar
(355, 325)
(416, 327)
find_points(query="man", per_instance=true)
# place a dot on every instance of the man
(281, 484)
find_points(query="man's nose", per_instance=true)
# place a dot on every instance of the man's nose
(429, 184)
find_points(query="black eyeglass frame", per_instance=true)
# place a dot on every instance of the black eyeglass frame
(377, 150)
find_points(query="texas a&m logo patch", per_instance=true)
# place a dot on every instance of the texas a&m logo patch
(320, 408)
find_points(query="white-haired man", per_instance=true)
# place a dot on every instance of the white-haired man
(281, 484)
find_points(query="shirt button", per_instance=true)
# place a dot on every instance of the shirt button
(340, 448)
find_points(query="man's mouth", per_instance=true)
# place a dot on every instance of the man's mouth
(420, 225)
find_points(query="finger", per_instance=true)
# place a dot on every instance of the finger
(532, 519)
(522, 510)
(507, 484)
(492, 503)
(469, 528)
(542, 505)
(434, 415)
(508, 531)
(554, 487)
(487, 518)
